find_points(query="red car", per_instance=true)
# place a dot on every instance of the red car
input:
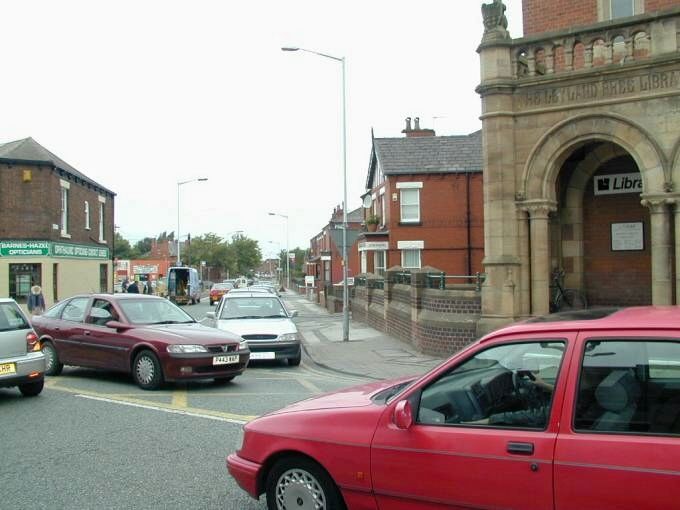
(147, 336)
(577, 411)
(218, 290)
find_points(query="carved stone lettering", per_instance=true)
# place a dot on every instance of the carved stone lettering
(609, 88)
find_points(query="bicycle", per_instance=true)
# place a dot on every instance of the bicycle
(565, 299)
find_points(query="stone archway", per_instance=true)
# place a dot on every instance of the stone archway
(537, 196)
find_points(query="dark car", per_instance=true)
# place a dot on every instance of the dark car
(147, 336)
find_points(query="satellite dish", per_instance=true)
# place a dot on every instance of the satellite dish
(368, 201)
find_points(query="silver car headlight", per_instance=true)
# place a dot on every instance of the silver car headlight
(183, 349)
(243, 345)
(289, 337)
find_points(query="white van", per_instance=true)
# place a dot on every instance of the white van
(184, 286)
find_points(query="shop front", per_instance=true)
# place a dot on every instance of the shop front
(60, 269)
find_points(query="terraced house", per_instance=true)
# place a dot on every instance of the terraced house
(56, 226)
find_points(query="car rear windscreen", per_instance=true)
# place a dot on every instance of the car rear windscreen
(11, 318)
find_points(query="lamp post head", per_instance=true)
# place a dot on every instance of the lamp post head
(290, 48)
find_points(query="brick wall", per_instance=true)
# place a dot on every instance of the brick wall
(29, 209)
(435, 322)
(549, 15)
(615, 278)
(444, 224)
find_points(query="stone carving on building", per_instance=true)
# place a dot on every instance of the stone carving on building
(495, 22)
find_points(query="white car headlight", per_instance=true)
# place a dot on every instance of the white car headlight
(243, 345)
(289, 337)
(177, 349)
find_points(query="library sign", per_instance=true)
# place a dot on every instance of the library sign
(46, 249)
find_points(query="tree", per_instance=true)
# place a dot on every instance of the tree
(247, 254)
(143, 247)
(121, 247)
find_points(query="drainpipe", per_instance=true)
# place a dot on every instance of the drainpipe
(467, 221)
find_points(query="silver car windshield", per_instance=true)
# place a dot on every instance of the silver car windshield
(11, 318)
(252, 308)
(153, 311)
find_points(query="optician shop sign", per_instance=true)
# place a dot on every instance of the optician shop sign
(618, 183)
(24, 248)
(46, 249)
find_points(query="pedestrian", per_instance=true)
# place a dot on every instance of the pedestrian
(148, 289)
(133, 288)
(124, 285)
(36, 301)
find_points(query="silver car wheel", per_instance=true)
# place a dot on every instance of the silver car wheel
(50, 357)
(298, 489)
(145, 370)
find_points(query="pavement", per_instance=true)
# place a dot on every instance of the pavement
(368, 353)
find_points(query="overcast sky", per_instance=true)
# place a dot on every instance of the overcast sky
(139, 95)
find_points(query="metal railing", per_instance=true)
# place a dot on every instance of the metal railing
(439, 281)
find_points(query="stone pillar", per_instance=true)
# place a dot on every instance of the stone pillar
(525, 263)
(662, 290)
(500, 225)
(540, 255)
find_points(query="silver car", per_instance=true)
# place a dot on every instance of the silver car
(22, 363)
(263, 321)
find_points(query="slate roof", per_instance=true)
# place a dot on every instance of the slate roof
(427, 155)
(31, 152)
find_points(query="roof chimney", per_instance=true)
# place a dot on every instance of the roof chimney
(417, 131)
(408, 126)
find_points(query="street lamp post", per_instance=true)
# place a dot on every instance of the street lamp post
(287, 253)
(179, 185)
(345, 285)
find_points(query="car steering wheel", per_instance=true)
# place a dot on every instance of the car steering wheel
(518, 381)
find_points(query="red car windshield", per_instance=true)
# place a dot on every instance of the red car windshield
(153, 311)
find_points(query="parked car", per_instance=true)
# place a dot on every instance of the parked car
(218, 290)
(147, 336)
(576, 411)
(263, 321)
(22, 363)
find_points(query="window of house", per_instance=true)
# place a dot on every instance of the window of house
(508, 386)
(410, 259)
(410, 201)
(364, 263)
(87, 215)
(327, 271)
(64, 208)
(102, 203)
(379, 262)
(629, 386)
(621, 8)
(21, 278)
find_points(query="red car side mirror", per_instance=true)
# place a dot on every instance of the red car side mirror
(118, 325)
(403, 416)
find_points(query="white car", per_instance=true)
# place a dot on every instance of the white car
(263, 321)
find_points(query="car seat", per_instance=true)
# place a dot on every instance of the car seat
(618, 395)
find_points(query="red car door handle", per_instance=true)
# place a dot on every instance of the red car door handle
(521, 448)
(87, 333)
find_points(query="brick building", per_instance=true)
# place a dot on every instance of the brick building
(324, 261)
(56, 226)
(426, 193)
(581, 128)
